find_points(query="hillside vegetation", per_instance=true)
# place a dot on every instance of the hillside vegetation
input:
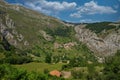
(102, 29)
(32, 44)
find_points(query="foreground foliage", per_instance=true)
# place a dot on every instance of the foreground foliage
(8, 72)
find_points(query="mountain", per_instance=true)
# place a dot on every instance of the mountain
(21, 26)
(33, 45)
(25, 29)
(102, 38)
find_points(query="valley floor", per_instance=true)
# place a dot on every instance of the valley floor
(39, 67)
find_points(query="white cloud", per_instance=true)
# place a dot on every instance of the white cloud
(50, 6)
(92, 8)
(75, 15)
(85, 20)
(38, 8)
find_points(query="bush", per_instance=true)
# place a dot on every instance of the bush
(112, 67)
(77, 74)
(36, 76)
(16, 60)
(48, 58)
(8, 72)
(98, 27)
(62, 31)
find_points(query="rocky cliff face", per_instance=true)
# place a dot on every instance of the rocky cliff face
(8, 32)
(102, 47)
(23, 27)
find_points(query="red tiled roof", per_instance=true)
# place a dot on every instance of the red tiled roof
(55, 73)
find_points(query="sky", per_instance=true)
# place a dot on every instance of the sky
(76, 11)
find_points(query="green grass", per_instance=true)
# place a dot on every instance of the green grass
(28, 23)
(2, 55)
(39, 67)
(99, 68)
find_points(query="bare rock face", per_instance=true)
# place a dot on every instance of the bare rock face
(102, 47)
(57, 45)
(15, 7)
(46, 36)
(9, 22)
(6, 34)
(68, 46)
(7, 30)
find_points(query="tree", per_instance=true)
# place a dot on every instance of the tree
(8, 72)
(112, 67)
(48, 58)
(77, 74)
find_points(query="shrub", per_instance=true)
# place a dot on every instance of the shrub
(17, 59)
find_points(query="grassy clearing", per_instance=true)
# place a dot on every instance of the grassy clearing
(39, 67)
(2, 55)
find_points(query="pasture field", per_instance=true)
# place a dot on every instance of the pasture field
(39, 67)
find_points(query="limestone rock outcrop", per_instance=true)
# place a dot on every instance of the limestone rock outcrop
(102, 47)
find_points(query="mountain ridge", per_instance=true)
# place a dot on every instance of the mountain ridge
(20, 21)
(25, 28)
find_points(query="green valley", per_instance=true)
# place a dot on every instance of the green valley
(33, 44)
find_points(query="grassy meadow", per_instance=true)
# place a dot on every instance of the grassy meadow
(39, 67)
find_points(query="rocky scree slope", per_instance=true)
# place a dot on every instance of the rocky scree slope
(102, 46)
